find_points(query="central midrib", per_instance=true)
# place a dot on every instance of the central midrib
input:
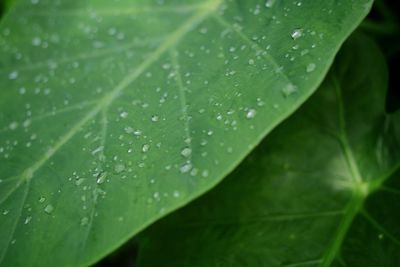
(359, 187)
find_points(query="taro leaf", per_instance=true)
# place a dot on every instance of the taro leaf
(115, 113)
(323, 189)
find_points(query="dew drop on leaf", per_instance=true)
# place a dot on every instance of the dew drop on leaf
(129, 130)
(145, 148)
(13, 75)
(186, 152)
(154, 118)
(269, 3)
(27, 219)
(101, 178)
(119, 168)
(297, 33)
(186, 168)
(79, 181)
(251, 113)
(311, 67)
(13, 125)
(49, 209)
(84, 221)
(176, 194)
(36, 41)
(289, 90)
(123, 114)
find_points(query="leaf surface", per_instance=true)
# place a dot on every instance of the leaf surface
(322, 189)
(116, 113)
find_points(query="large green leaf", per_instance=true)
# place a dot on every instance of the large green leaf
(322, 190)
(115, 113)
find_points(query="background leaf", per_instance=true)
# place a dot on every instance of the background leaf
(322, 190)
(115, 113)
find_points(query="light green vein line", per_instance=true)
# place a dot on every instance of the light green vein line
(355, 172)
(10, 192)
(65, 110)
(267, 218)
(379, 227)
(377, 184)
(182, 94)
(359, 194)
(223, 22)
(83, 56)
(351, 211)
(79, 106)
(304, 263)
(14, 227)
(109, 98)
(111, 11)
(101, 161)
(390, 190)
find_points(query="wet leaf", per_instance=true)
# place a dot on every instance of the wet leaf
(116, 113)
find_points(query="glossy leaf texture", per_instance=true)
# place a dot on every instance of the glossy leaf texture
(114, 113)
(322, 189)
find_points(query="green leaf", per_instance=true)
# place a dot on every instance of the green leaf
(114, 114)
(322, 190)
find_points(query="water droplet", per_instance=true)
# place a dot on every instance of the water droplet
(5, 212)
(79, 181)
(145, 148)
(119, 168)
(13, 125)
(289, 90)
(42, 199)
(84, 221)
(194, 172)
(186, 167)
(124, 114)
(311, 67)
(176, 194)
(129, 130)
(154, 118)
(101, 178)
(26, 123)
(13, 75)
(49, 209)
(27, 219)
(36, 41)
(251, 113)
(297, 33)
(97, 150)
(260, 103)
(186, 152)
(269, 3)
